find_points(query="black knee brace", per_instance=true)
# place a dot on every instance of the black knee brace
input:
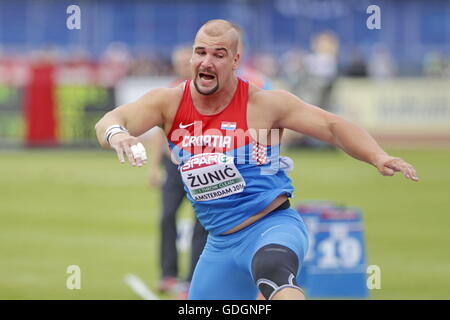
(274, 267)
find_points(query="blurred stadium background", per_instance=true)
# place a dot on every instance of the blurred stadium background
(65, 202)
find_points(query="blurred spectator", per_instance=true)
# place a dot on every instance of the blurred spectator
(434, 64)
(252, 74)
(318, 72)
(293, 69)
(323, 60)
(181, 57)
(266, 64)
(255, 77)
(143, 66)
(357, 66)
(77, 67)
(381, 64)
(322, 69)
(115, 63)
(14, 71)
(117, 53)
(150, 65)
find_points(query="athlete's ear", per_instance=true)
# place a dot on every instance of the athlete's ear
(236, 61)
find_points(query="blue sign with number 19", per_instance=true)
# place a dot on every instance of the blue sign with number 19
(335, 265)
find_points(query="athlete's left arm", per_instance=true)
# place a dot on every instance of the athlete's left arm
(295, 114)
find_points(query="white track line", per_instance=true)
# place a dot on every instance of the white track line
(138, 286)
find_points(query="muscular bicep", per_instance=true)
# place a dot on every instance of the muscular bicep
(143, 114)
(138, 116)
(295, 114)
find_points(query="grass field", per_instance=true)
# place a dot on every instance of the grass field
(61, 208)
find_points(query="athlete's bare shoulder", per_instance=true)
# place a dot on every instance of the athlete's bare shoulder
(265, 100)
(166, 100)
(174, 98)
(252, 89)
(264, 97)
(179, 89)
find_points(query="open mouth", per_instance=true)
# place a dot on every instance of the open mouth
(206, 76)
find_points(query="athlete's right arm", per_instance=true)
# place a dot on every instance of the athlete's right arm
(137, 117)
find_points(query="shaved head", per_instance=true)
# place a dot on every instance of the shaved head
(222, 28)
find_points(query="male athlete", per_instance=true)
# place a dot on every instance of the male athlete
(225, 135)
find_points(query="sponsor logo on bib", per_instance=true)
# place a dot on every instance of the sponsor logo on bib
(210, 176)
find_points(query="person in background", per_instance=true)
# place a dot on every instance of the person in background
(312, 76)
(172, 195)
(381, 65)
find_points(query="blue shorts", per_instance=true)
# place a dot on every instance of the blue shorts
(223, 271)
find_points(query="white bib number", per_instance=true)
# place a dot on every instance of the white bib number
(210, 176)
